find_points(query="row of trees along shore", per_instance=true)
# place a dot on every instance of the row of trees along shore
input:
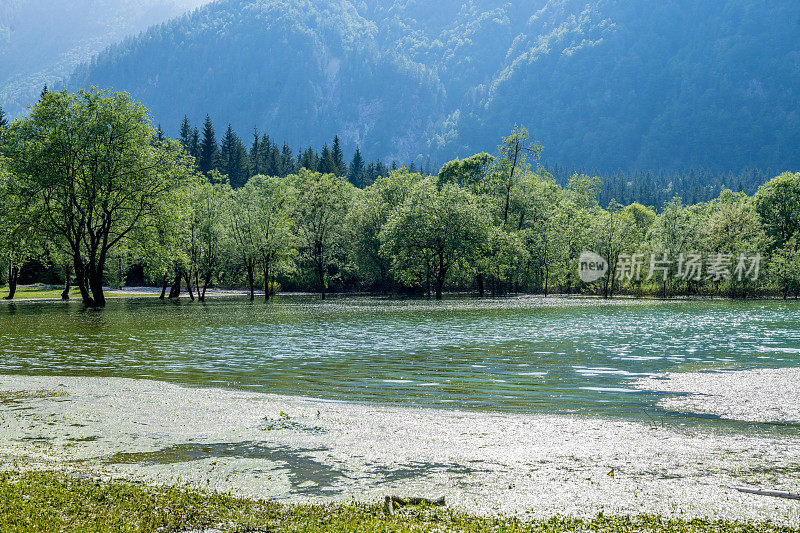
(93, 193)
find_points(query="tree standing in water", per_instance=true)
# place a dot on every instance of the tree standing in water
(91, 176)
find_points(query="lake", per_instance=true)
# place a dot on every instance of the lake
(526, 355)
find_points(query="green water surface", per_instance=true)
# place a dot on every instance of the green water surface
(523, 354)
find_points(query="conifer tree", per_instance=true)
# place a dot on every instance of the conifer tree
(307, 159)
(186, 134)
(256, 166)
(195, 146)
(356, 173)
(369, 175)
(286, 161)
(327, 163)
(380, 170)
(269, 159)
(233, 159)
(209, 150)
(338, 157)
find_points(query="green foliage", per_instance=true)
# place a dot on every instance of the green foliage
(260, 227)
(434, 230)
(323, 201)
(778, 205)
(45, 501)
(207, 231)
(90, 187)
(91, 178)
(785, 267)
(469, 172)
(367, 218)
(17, 242)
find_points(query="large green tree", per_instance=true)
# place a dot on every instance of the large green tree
(208, 155)
(434, 230)
(778, 205)
(322, 203)
(88, 168)
(261, 229)
(369, 214)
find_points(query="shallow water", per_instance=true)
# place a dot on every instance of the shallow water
(529, 355)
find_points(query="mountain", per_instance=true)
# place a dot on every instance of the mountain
(42, 41)
(606, 84)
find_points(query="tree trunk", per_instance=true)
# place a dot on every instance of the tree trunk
(428, 281)
(81, 278)
(206, 282)
(175, 290)
(321, 275)
(13, 276)
(251, 279)
(67, 283)
(439, 285)
(546, 281)
(480, 285)
(164, 285)
(96, 286)
(441, 272)
(266, 282)
(189, 285)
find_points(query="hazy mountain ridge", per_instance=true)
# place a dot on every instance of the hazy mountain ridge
(42, 41)
(603, 83)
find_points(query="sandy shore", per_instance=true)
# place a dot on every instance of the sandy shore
(531, 465)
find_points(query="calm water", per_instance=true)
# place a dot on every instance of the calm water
(530, 355)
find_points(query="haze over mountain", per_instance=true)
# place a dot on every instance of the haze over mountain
(610, 84)
(41, 41)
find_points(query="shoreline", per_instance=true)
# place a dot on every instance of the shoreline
(215, 293)
(300, 450)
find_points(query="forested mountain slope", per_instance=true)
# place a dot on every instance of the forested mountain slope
(41, 41)
(607, 84)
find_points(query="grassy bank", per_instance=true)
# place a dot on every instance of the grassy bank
(49, 292)
(46, 501)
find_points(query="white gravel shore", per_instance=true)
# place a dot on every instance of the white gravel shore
(531, 465)
(763, 395)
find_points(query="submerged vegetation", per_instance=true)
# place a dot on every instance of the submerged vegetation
(46, 501)
(93, 193)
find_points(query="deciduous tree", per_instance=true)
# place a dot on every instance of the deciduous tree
(89, 170)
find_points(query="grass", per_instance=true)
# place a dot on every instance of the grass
(33, 292)
(47, 292)
(47, 501)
